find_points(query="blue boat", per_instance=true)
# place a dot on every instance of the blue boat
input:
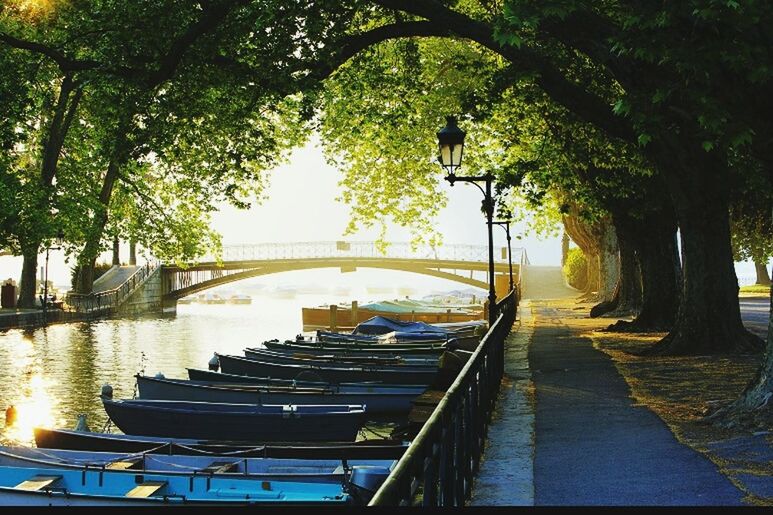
(348, 346)
(50, 486)
(329, 373)
(275, 356)
(48, 438)
(397, 340)
(246, 422)
(378, 400)
(209, 376)
(267, 469)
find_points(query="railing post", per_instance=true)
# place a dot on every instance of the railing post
(459, 472)
(474, 426)
(447, 462)
(468, 446)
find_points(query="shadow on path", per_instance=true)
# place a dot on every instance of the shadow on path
(593, 444)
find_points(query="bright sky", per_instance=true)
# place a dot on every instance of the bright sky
(301, 206)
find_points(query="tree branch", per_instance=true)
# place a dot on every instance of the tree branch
(585, 104)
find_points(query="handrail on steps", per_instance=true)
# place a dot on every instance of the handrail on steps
(111, 299)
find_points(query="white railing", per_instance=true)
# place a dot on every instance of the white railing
(359, 249)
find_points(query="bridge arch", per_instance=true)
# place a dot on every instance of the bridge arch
(179, 283)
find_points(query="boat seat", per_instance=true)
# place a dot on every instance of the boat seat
(219, 467)
(146, 489)
(124, 464)
(36, 483)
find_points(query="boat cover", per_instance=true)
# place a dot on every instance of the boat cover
(382, 325)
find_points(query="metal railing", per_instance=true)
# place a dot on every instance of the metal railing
(109, 300)
(438, 467)
(357, 249)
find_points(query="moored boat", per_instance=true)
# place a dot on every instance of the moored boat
(225, 421)
(275, 356)
(267, 469)
(379, 400)
(327, 373)
(47, 438)
(48, 486)
(357, 346)
(209, 376)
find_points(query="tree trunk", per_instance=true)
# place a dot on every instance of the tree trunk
(753, 407)
(763, 277)
(29, 271)
(70, 94)
(564, 247)
(132, 252)
(709, 316)
(661, 273)
(583, 235)
(609, 267)
(116, 251)
(88, 257)
(627, 299)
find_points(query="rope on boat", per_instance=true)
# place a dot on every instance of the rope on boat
(222, 453)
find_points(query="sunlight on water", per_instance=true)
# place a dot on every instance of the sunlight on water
(52, 374)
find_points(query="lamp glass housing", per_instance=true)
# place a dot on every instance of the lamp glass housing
(450, 144)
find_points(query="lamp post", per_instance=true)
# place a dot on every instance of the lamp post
(451, 147)
(59, 242)
(506, 225)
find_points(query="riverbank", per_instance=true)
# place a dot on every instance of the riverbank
(31, 318)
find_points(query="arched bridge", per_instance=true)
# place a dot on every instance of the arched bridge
(467, 264)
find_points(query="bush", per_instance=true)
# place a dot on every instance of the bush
(576, 269)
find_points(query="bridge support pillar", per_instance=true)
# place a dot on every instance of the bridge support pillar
(168, 306)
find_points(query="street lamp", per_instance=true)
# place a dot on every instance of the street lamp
(451, 147)
(506, 225)
(59, 242)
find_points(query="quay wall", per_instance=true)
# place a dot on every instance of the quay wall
(148, 298)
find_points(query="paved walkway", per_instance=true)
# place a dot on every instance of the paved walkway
(566, 431)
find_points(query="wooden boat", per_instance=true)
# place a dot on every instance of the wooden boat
(221, 421)
(319, 317)
(379, 400)
(49, 486)
(267, 469)
(46, 438)
(357, 347)
(365, 354)
(295, 358)
(208, 376)
(330, 373)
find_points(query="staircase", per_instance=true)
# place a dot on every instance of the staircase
(111, 290)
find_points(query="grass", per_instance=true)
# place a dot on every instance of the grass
(755, 289)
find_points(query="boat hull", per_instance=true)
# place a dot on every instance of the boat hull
(331, 374)
(202, 420)
(356, 348)
(98, 487)
(378, 401)
(46, 438)
(294, 358)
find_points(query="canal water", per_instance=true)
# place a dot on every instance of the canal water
(52, 374)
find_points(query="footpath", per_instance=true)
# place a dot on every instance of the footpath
(568, 431)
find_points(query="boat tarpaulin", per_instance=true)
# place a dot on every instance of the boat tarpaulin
(379, 325)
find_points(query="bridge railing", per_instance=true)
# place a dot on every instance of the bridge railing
(438, 467)
(110, 299)
(362, 249)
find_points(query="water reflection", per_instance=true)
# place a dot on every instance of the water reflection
(54, 373)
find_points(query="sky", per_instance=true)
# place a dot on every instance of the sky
(301, 206)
